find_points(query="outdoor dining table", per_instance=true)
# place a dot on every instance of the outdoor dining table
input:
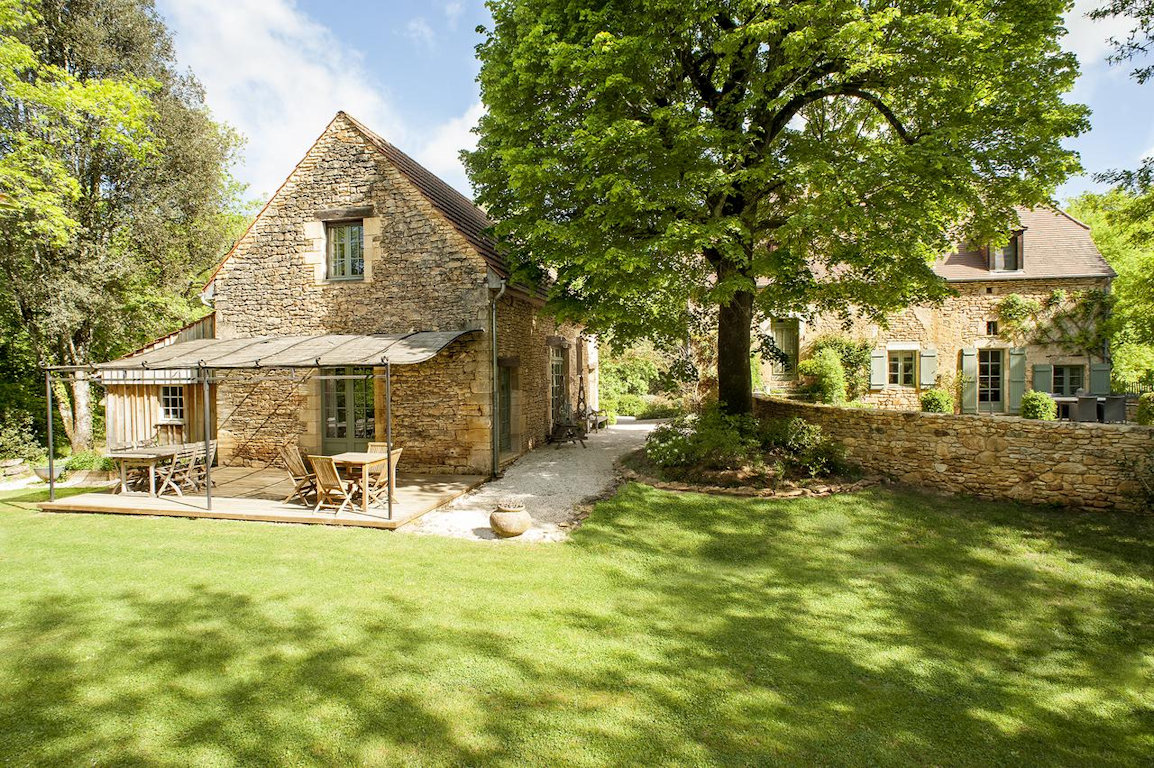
(142, 457)
(364, 461)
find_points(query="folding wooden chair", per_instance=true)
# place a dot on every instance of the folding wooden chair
(304, 482)
(199, 470)
(378, 448)
(175, 475)
(330, 487)
(381, 482)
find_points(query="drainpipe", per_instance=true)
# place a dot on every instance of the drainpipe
(495, 428)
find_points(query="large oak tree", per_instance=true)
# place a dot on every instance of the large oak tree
(762, 157)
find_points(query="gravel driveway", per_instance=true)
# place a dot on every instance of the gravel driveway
(551, 481)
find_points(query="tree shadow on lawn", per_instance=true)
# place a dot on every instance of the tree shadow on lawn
(874, 629)
(887, 628)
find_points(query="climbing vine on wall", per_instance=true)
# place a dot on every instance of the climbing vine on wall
(1077, 323)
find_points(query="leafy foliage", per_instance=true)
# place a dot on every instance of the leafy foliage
(937, 400)
(1038, 405)
(1080, 323)
(714, 440)
(827, 374)
(119, 181)
(17, 441)
(89, 460)
(855, 361)
(658, 155)
(1145, 415)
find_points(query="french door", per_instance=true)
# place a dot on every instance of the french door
(990, 386)
(348, 410)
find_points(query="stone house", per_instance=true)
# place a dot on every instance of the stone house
(362, 255)
(1050, 259)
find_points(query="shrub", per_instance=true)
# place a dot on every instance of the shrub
(1145, 413)
(937, 401)
(88, 460)
(711, 440)
(628, 404)
(17, 441)
(659, 408)
(1039, 405)
(828, 376)
(803, 446)
(855, 361)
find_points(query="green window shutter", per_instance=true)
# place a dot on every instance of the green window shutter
(1017, 378)
(878, 369)
(969, 380)
(1099, 378)
(928, 368)
(1043, 377)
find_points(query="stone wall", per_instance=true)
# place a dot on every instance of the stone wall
(958, 323)
(994, 457)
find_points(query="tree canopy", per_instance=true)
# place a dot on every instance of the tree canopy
(757, 158)
(118, 179)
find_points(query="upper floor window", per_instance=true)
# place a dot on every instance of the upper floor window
(346, 250)
(1007, 258)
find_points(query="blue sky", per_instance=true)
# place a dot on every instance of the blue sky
(278, 70)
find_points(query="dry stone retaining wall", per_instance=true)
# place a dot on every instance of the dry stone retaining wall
(994, 457)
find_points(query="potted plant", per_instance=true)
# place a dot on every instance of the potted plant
(510, 518)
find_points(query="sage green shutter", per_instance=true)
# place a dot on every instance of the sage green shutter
(1043, 377)
(1017, 378)
(877, 369)
(969, 380)
(1099, 378)
(928, 368)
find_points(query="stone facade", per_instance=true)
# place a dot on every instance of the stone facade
(421, 273)
(1008, 458)
(958, 323)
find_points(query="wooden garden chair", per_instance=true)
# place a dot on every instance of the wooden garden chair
(176, 475)
(200, 465)
(377, 448)
(382, 482)
(331, 488)
(304, 482)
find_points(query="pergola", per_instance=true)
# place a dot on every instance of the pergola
(203, 360)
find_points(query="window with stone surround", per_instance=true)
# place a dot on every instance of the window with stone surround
(903, 364)
(346, 250)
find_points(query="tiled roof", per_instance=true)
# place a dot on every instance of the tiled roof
(1054, 244)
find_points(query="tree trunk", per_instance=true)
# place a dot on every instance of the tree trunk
(734, 379)
(63, 399)
(81, 436)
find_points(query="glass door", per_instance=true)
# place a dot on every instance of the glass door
(348, 410)
(990, 381)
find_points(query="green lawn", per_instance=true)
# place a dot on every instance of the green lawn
(876, 629)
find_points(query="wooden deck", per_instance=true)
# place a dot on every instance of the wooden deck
(255, 494)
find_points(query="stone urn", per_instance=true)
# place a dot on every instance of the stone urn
(509, 518)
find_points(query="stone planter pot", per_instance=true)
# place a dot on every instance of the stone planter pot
(509, 519)
(42, 472)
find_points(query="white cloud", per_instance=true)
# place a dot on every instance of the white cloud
(453, 12)
(440, 153)
(419, 31)
(279, 77)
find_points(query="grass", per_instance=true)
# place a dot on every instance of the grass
(882, 628)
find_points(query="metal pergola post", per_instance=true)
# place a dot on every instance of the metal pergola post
(51, 462)
(389, 430)
(207, 419)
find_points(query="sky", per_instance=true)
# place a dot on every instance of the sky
(279, 70)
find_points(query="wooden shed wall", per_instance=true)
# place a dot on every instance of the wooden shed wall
(132, 415)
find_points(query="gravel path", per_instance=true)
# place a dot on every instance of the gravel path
(551, 481)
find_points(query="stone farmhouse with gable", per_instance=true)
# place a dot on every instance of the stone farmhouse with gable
(924, 346)
(360, 241)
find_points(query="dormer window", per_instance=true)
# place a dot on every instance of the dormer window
(1007, 258)
(346, 250)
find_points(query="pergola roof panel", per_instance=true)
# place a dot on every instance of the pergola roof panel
(324, 351)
